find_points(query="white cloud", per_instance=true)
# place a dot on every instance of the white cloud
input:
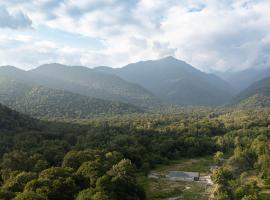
(17, 20)
(210, 34)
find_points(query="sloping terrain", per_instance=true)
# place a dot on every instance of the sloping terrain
(243, 79)
(12, 120)
(175, 81)
(39, 101)
(257, 95)
(89, 82)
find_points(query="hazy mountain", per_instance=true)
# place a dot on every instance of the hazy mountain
(243, 79)
(39, 101)
(175, 81)
(256, 95)
(92, 83)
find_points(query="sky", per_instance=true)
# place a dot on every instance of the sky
(212, 35)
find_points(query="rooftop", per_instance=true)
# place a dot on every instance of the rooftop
(181, 174)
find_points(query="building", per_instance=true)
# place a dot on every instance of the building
(183, 176)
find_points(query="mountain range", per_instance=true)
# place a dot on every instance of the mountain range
(84, 81)
(175, 82)
(55, 90)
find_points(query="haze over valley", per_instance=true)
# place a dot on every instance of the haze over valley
(134, 100)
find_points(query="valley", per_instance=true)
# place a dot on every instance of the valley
(135, 133)
(134, 100)
(112, 156)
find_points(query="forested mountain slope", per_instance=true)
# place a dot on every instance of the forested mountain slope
(39, 101)
(12, 120)
(175, 82)
(257, 95)
(91, 83)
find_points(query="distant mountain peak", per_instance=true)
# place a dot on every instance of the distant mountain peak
(176, 81)
(168, 58)
(10, 68)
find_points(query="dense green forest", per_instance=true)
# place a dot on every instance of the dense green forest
(39, 101)
(82, 81)
(100, 158)
(60, 91)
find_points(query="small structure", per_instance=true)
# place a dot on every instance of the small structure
(183, 176)
(154, 175)
(206, 179)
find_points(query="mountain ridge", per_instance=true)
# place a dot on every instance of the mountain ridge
(145, 84)
(39, 101)
(175, 81)
(256, 95)
(86, 81)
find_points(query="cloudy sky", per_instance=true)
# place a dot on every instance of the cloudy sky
(209, 34)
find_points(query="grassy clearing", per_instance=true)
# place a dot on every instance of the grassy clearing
(157, 189)
(161, 189)
(201, 165)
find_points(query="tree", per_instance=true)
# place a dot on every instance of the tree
(124, 182)
(101, 196)
(17, 183)
(264, 165)
(55, 183)
(6, 195)
(22, 161)
(74, 159)
(85, 195)
(29, 195)
(222, 176)
(249, 197)
(219, 157)
(16, 160)
(92, 170)
(247, 189)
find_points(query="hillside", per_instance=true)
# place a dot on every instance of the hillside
(89, 82)
(243, 79)
(39, 101)
(175, 81)
(256, 95)
(12, 120)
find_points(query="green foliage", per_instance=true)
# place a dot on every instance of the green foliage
(218, 157)
(78, 80)
(100, 158)
(6, 195)
(123, 181)
(255, 96)
(85, 195)
(55, 183)
(39, 101)
(28, 195)
(101, 196)
(17, 183)
(74, 159)
(12, 120)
